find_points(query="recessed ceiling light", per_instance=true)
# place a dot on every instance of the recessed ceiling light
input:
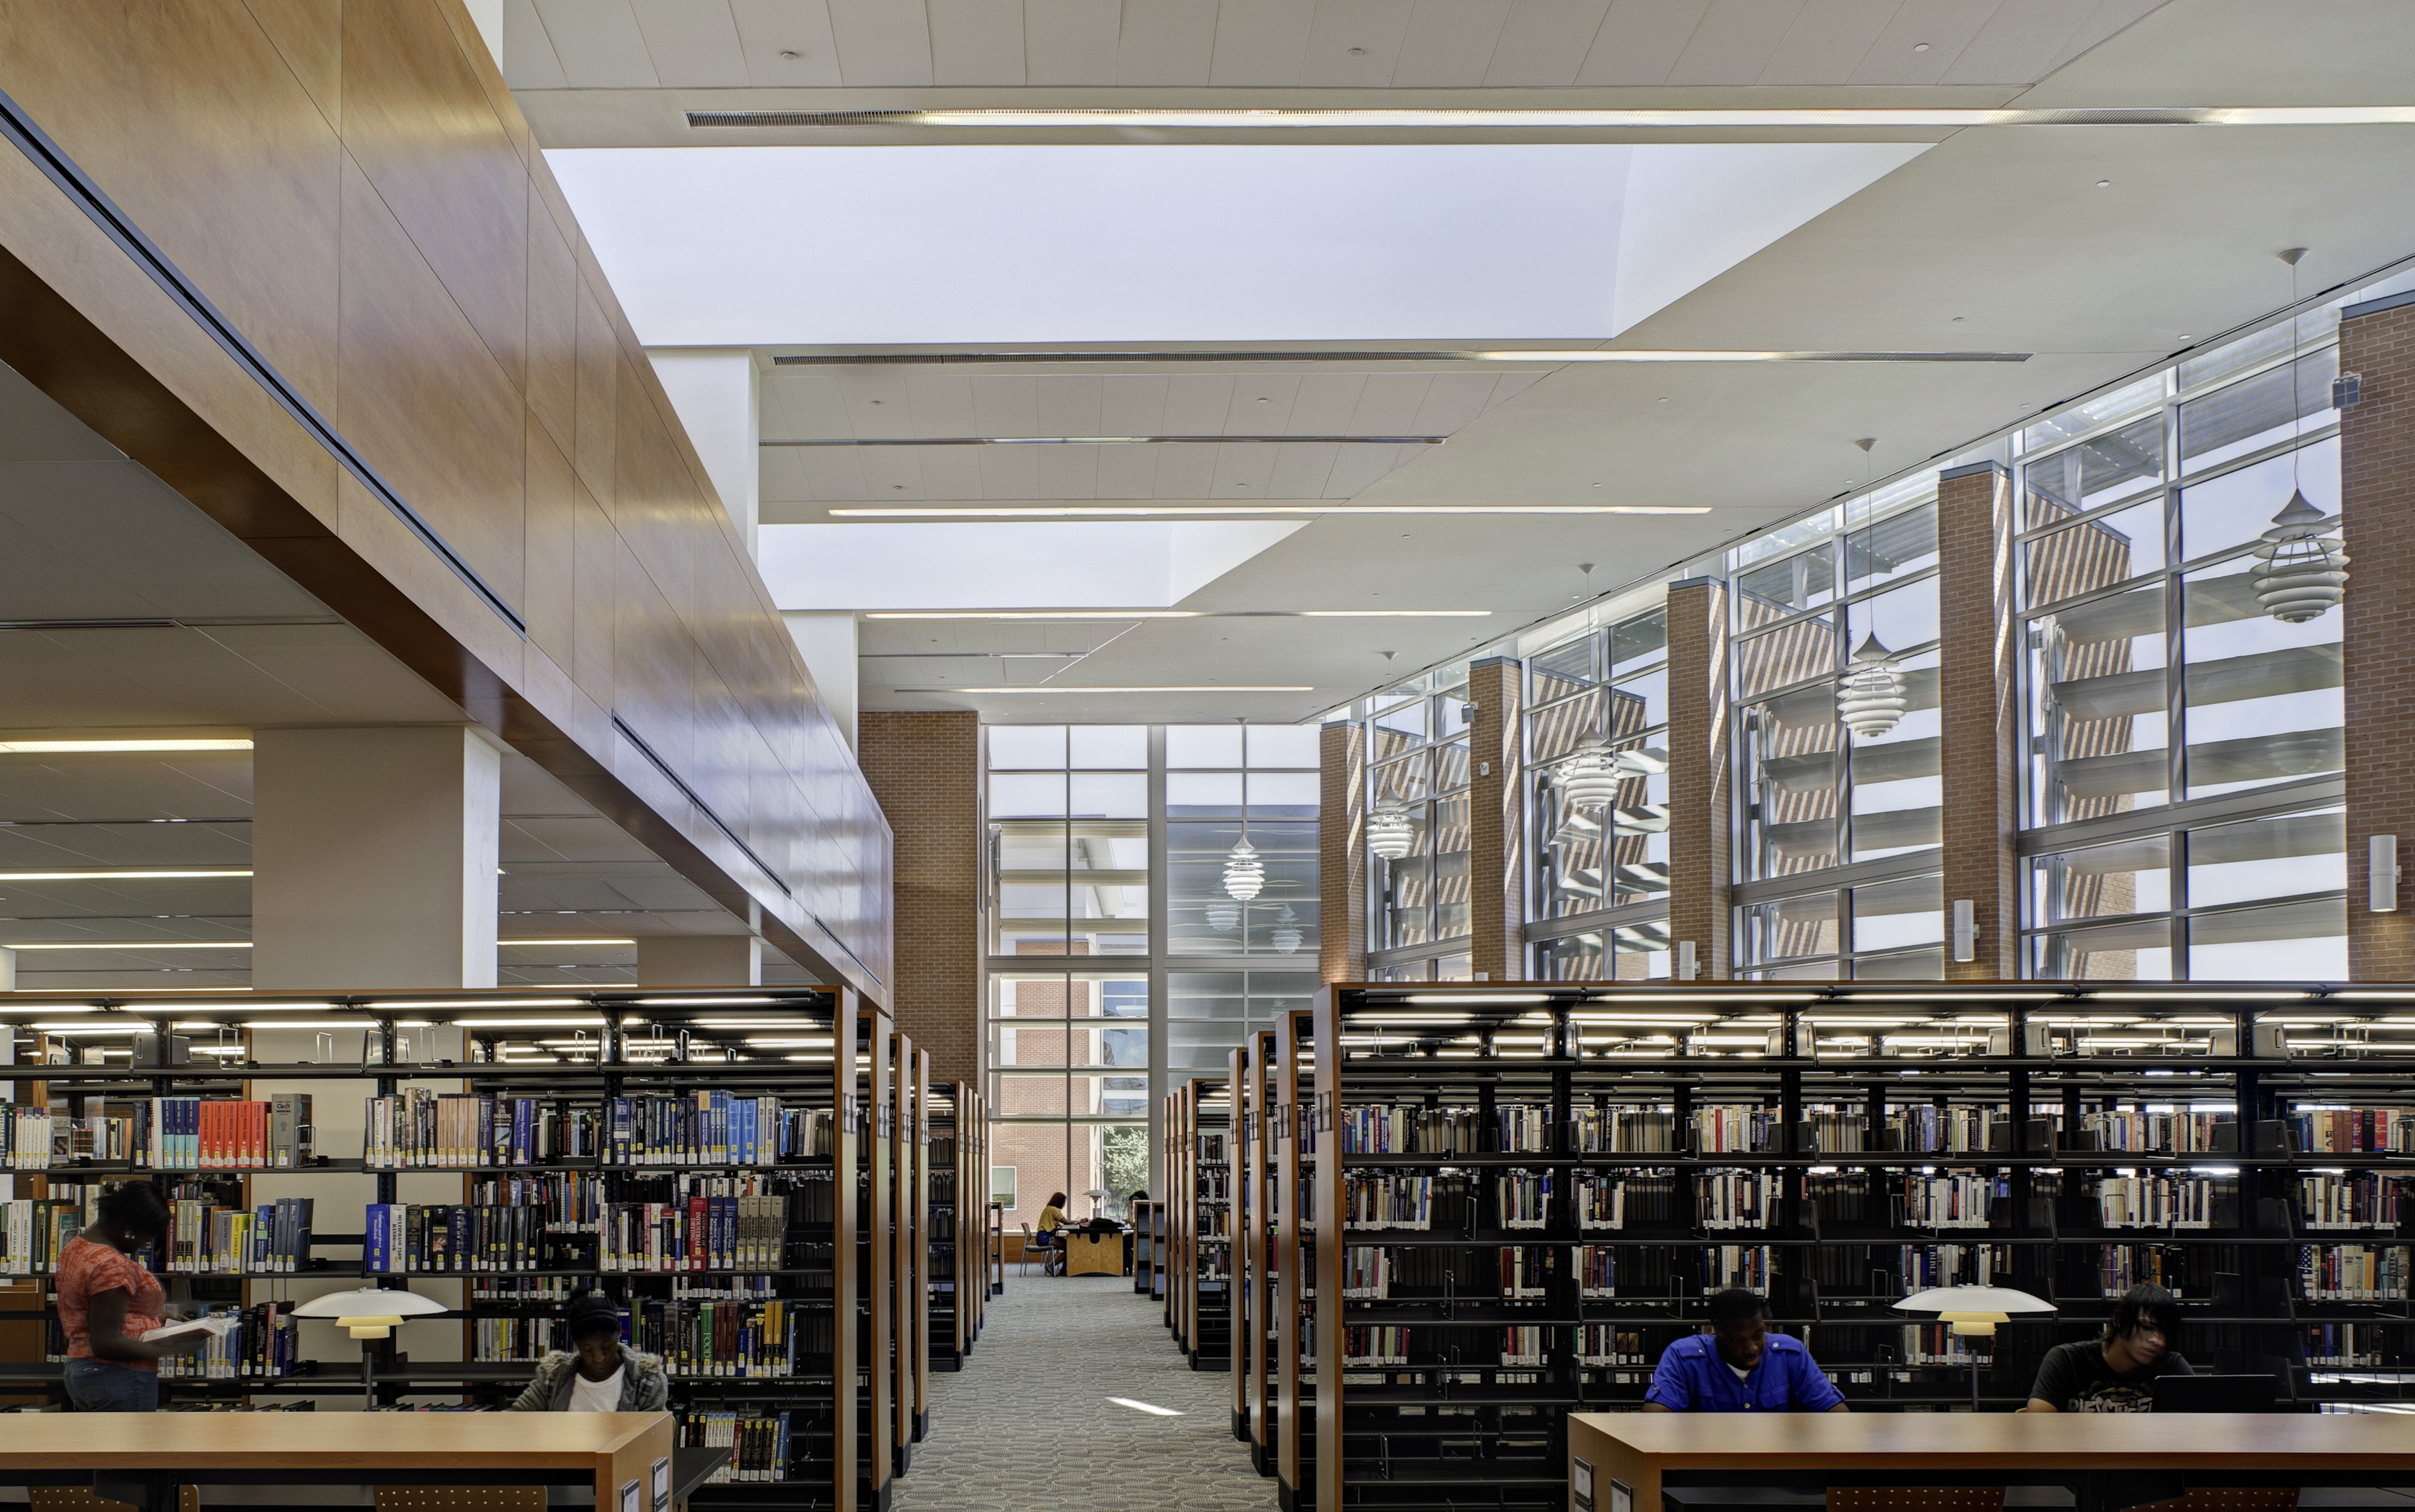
(2103, 183)
(140, 945)
(122, 876)
(1920, 46)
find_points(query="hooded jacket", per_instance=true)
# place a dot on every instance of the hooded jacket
(645, 1386)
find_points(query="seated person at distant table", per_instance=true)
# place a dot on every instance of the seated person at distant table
(1052, 1223)
(1740, 1367)
(603, 1376)
(2115, 1372)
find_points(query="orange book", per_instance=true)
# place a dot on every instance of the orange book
(210, 1134)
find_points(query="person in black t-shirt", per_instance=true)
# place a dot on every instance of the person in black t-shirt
(2115, 1372)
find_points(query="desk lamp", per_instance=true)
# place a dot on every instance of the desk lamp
(369, 1315)
(1096, 1196)
(1973, 1311)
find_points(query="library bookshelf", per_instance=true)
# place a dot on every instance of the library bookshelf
(959, 1284)
(1200, 1279)
(683, 1151)
(1290, 1099)
(1523, 1193)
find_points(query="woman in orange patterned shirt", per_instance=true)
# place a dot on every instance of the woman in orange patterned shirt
(107, 1301)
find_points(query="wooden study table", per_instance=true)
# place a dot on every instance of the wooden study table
(1629, 1458)
(1093, 1254)
(146, 1456)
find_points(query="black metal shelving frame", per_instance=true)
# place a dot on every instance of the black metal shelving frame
(644, 1042)
(1448, 1424)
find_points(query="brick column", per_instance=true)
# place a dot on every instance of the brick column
(1496, 860)
(1980, 714)
(924, 768)
(1700, 824)
(2378, 503)
(1341, 852)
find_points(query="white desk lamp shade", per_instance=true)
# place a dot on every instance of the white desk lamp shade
(1973, 1309)
(370, 1312)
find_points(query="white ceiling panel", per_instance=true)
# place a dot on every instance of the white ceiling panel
(1449, 43)
(1356, 44)
(1301, 470)
(1357, 468)
(955, 472)
(772, 30)
(1165, 42)
(881, 42)
(2018, 41)
(1068, 407)
(1260, 42)
(1008, 472)
(599, 44)
(1243, 472)
(2111, 18)
(1544, 42)
(1828, 40)
(1641, 41)
(894, 472)
(1327, 404)
(693, 43)
(976, 41)
(1068, 472)
(528, 61)
(1945, 27)
(1261, 405)
(1134, 405)
(1071, 41)
(1734, 42)
(1127, 472)
(942, 405)
(1185, 471)
(1005, 406)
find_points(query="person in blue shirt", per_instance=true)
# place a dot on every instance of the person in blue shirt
(1740, 1367)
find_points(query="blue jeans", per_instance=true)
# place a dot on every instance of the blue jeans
(107, 1386)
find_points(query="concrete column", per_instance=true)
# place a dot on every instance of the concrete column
(374, 858)
(1341, 852)
(699, 961)
(827, 642)
(1978, 701)
(2377, 510)
(1700, 823)
(924, 770)
(718, 393)
(7, 970)
(1496, 863)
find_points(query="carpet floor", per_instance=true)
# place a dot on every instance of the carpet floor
(1028, 1426)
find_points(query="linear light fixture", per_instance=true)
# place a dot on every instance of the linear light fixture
(123, 876)
(140, 945)
(1262, 119)
(593, 1021)
(1284, 506)
(1180, 614)
(97, 747)
(1531, 356)
(475, 1003)
(1298, 687)
(567, 942)
(1120, 440)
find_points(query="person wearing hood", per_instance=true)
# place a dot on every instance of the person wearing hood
(600, 1374)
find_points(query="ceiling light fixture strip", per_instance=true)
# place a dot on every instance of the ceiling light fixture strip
(1303, 506)
(1536, 357)
(1378, 118)
(1119, 441)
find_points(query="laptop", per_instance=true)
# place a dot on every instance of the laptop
(2216, 1393)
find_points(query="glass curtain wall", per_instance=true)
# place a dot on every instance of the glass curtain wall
(1087, 828)
(1833, 658)
(1598, 798)
(2183, 766)
(1418, 928)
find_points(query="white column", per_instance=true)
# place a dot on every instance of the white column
(699, 961)
(827, 642)
(7, 970)
(718, 393)
(374, 858)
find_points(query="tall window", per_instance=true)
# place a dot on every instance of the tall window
(2182, 770)
(1418, 831)
(1086, 1027)
(1834, 661)
(1598, 763)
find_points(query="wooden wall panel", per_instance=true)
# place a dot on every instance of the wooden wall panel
(351, 184)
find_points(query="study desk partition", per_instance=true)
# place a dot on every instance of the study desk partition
(1093, 1254)
(144, 1457)
(1623, 1461)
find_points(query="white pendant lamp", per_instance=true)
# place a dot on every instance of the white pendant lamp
(1245, 875)
(1390, 833)
(1287, 935)
(1973, 1311)
(1590, 778)
(1223, 916)
(1642, 761)
(1872, 695)
(2301, 570)
(369, 1315)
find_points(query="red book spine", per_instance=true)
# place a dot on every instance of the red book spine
(696, 1234)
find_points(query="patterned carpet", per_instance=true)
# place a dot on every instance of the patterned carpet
(1026, 1425)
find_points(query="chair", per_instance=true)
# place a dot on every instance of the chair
(2228, 1499)
(461, 1499)
(1915, 1499)
(1035, 1248)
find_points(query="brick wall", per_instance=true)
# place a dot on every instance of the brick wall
(1341, 852)
(1495, 854)
(1979, 726)
(1699, 821)
(2378, 503)
(924, 768)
